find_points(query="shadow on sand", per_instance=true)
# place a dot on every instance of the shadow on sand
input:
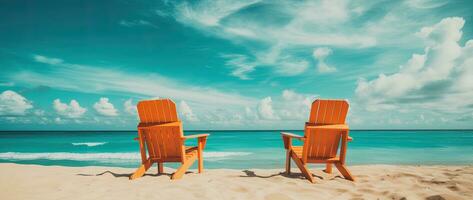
(126, 175)
(248, 174)
(252, 174)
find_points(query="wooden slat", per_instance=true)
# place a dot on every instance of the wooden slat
(172, 106)
(344, 112)
(314, 111)
(160, 111)
(336, 111)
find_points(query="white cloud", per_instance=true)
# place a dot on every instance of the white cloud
(295, 106)
(73, 110)
(186, 112)
(130, 108)
(225, 19)
(58, 120)
(240, 64)
(12, 103)
(426, 4)
(265, 109)
(83, 78)
(105, 108)
(209, 12)
(303, 28)
(439, 79)
(282, 31)
(284, 111)
(320, 54)
(286, 65)
(47, 60)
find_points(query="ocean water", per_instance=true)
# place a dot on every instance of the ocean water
(235, 149)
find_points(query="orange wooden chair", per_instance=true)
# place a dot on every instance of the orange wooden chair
(160, 133)
(323, 134)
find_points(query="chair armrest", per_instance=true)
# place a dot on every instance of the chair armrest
(202, 139)
(196, 136)
(287, 139)
(292, 135)
(350, 139)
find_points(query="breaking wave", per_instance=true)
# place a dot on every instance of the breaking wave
(89, 144)
(102, 156)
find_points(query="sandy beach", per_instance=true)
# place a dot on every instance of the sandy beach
(373, 182)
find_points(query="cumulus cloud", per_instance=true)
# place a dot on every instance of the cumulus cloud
(13, 104)
(280, 110)
(71, 110)
(295, 106)
(105, 108)
(130, 108)
(438, 79)
(265, 109)
(320, 54)
(186, 112)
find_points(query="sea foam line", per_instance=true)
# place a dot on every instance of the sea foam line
(216, 155)
(89, 144)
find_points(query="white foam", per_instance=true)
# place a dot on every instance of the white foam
(89, 144)
(102, 156)
(68, 156)
(222, 155)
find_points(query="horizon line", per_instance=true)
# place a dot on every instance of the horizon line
(235, 130)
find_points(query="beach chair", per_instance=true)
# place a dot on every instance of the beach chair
(160, 134)
(323, 134)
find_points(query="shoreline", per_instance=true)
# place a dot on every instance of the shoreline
(194, 168)
(20, 181)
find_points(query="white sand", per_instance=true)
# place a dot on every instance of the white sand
(373, 182)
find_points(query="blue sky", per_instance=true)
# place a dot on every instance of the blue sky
(81, 65)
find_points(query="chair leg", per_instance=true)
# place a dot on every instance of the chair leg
(141, 170)
(200, 160)
(183, 168)
(288, 162)
(344, 171)
(160, 167)
(303, 167)
(328, 168)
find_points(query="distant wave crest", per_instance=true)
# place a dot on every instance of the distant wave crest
(89, 144)
(102, 156)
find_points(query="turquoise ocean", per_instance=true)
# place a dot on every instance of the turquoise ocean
(235, 149)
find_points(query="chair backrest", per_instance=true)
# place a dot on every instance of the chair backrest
(158, 111)
(161, 130)
(322, 144)
(326, 112)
